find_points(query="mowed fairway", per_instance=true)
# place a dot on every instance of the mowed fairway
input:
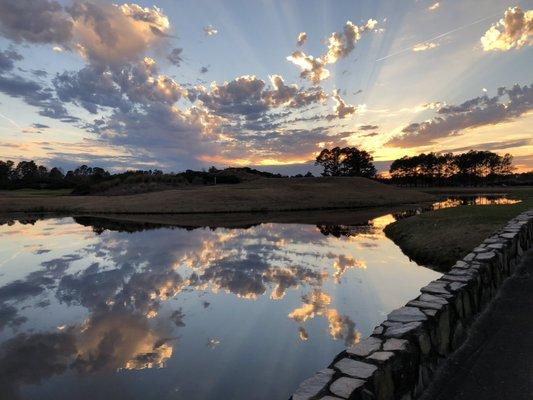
(283, 194)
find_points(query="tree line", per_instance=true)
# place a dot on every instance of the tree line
(94, 180)
(470, 168)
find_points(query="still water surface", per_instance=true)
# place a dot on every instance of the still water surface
(174, 313)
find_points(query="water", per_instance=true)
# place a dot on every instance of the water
(171, 313)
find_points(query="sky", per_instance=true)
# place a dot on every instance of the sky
(178, 84)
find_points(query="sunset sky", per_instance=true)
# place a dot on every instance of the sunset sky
(178, 84)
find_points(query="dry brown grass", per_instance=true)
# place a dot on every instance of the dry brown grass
(259, 195)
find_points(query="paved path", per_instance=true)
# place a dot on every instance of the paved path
(496, 362)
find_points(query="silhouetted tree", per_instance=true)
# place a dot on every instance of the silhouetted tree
(439, 169)
(346, 161)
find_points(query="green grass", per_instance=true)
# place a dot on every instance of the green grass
(439, 238)
(35, 192)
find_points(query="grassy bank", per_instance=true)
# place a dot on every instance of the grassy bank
(439, 238)
(261, 195)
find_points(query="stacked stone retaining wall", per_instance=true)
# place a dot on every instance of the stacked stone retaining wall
(402, 355)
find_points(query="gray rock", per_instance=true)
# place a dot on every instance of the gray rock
(486, 256)
(432, 299)
(456, 286)
(354, 368)
(314, 385)
(430, 313)
(365, 347)
(435, 288)
(378, 330)
(344, 387)
(394, 344)
(406, 314)
(425, 304)
(402, 330)
(457, 278)
(380, 356)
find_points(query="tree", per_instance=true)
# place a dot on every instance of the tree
(6, 170)
(346, 161)
(56, 174)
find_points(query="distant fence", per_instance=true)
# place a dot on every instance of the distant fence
(401, 356)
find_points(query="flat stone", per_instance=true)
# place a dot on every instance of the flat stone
(406, 314)
(486, 256)
(471, 272)
(365, 347)
(354, 368)
(461, 264)
(435, 288)
(456, 286)
(404, 329)
(469, 257)
(509, 235)
(497, 246)
(344, 387)
(432, 299)
(378, 330)
(394, 344)
(390, 323)
(314, 385)
(429, 312)
(380, 356)
(425, 304)
(457, 278)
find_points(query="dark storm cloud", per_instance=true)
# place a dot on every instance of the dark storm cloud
(35, 21)
(35, 94)
(9, 317)
(37, 125)
(505, 144)
(451, 120)
(29, 359)
(368, 127)
(175, 56)
(7, 59)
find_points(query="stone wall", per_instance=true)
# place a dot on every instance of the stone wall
(401, 356)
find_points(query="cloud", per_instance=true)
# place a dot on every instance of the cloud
(434, 6)
(340, 45)
(342, 110)
(312, 68)
(7, 59)
(513, 31)
(35, 21)
(451, 120)
(302, 38)
(175, 56)
(249, 96)
(368, 127)
(101, 32)
(424, 46)
(35, 94)
(204, 70)
(110, 35)
(210, 30)
(491, 146)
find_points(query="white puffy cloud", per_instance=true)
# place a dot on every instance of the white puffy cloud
(424, 46)
(433, 7)
(340, 45)
(513, 31)
(210, 30)
(302, 38)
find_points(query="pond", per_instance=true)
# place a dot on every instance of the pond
(91, 309)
